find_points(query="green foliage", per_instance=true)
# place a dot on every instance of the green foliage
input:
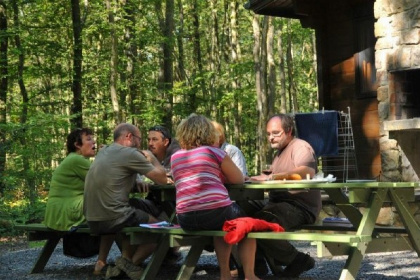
(14, 212)
(217, 85)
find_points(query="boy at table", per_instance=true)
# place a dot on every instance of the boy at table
(108, 208)
(289, 209)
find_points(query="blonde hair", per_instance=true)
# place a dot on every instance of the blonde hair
(220, 131)
(196, 131)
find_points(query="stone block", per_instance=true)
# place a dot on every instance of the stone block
(386, 217)
(410, 37)
(388, 144)
(383, 110)
(382, 94)
(396, 6)
(383, 43)
(403, 57)
(382, 27)
(390, 159)
(415, 57)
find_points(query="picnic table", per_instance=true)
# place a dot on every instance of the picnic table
(360, 202)
(355, 242)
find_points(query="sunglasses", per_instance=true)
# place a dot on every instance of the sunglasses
(162, 130)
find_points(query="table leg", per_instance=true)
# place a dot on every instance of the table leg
(156, 260)
(46, 253)
(407, 219)
(366, 227)
(352, 266)
(190, 262)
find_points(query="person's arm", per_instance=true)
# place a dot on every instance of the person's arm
(158, 174)
(231, 172)
(301, 170)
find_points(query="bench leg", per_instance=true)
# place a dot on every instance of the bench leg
(352, 266)
(190, 262)
(156, 260)
(45, 254)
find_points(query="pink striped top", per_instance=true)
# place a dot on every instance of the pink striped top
(199, 179)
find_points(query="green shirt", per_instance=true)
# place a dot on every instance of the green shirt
(65, 197)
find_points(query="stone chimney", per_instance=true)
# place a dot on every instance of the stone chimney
(397, 58)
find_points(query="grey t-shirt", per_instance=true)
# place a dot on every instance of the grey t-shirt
(110, 180)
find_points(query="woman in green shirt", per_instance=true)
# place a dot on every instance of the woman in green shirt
(65, 198)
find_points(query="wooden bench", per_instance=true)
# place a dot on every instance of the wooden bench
(176, 237)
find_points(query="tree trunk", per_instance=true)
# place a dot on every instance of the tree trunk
(294, 106)
(235, 54)
(261, 139)
(133, 86)
(4, 41)
(282, 73)
(181, 64)
(30, 182)
(198, 57)
(76, 108)
(271, 80)
(214, 58)
(168, 61)
(113, 75)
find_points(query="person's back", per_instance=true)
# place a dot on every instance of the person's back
(198, 176)
(111, 179)
(202, 201)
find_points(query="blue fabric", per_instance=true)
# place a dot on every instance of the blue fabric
(320, 130)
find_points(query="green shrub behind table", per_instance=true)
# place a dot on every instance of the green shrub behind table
(19, 212)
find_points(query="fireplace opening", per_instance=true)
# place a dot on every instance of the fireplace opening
(405, 94)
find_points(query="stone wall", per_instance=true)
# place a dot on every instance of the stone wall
(397, 49)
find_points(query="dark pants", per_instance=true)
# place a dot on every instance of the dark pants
(142, 208)
(285, 214)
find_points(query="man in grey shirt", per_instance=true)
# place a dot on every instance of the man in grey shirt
(107, 206)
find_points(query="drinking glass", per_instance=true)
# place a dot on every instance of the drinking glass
(267, 169)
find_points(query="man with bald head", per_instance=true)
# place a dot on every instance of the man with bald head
(107, 206)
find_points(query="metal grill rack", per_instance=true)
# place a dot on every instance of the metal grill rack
(344, 164)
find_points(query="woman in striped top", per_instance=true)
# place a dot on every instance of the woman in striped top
(200, 171)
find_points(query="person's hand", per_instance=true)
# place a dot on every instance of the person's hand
(148, 155)
(261, 177)
(169, 181)
(143, 187)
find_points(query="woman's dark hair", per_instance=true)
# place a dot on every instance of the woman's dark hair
(75, 137)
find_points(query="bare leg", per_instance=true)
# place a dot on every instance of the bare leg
(105, 246)
(127, 250)
(142, 252)
(223, 254)
(246, 251)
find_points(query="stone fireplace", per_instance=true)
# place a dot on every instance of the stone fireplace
(397, 60)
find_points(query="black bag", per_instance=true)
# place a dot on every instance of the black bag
(80, 245)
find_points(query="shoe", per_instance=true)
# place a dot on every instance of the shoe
(260, 267)
(133, 271)
(301, 263)
(113, 272)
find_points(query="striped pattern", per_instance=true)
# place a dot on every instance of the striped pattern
(199, 179)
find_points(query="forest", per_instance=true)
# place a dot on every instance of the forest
(91, 63)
